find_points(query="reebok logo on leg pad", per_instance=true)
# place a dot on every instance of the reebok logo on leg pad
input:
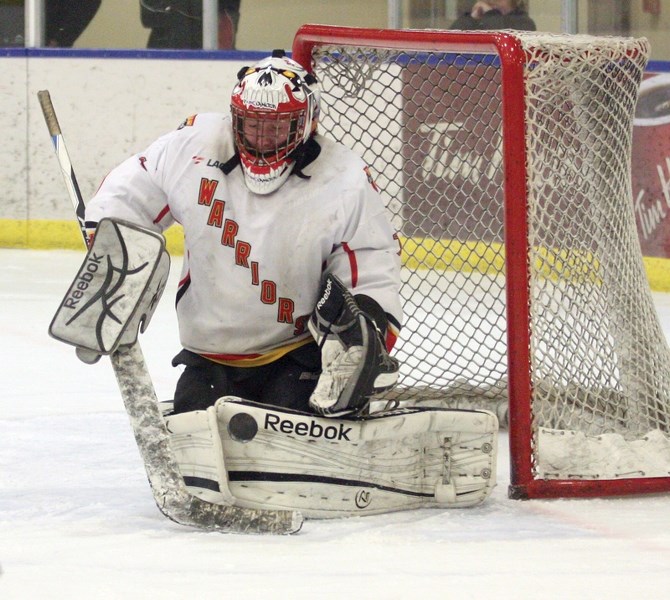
(311, 429)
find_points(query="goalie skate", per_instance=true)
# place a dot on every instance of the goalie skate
(252, 456)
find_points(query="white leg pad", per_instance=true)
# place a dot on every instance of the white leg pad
(197, 448)
(278, 459)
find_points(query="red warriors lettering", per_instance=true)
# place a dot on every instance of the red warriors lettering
(242, 252)
(268, 292)
(285, 310)
(215, 217)
(242, 255)
(207, 190)
(230, 229)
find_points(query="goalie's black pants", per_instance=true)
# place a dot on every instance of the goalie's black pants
(287, 382)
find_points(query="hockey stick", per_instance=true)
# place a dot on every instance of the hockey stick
(139, 398)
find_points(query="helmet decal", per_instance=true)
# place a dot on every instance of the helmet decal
(274, 113)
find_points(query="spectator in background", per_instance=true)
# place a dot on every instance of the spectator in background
(178, 23)
(11, 23)
(496, 14)
(66, 20)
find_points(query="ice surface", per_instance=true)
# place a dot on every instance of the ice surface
(77, 518)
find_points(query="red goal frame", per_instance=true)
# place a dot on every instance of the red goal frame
(523, 484)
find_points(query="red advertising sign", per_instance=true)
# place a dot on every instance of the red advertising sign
(452, 152)
(651, 165)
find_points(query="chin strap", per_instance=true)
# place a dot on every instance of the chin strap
(230, 164)
(304, 155)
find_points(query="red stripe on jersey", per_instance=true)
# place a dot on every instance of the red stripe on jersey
(391, 339)
(352, 263)
(183, 286)
(162, 213)
(186, 279)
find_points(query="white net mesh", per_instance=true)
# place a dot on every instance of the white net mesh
(596, 342)
(412, 116)
(430, 125)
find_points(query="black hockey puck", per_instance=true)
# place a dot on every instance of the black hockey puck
(242, 427)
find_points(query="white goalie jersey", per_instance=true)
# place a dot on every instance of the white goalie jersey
(245, 296)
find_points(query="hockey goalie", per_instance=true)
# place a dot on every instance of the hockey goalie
(288, 307)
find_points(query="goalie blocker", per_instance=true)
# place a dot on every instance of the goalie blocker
(115, 291)
(251, 455)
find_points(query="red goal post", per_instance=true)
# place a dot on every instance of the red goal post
(504, 161)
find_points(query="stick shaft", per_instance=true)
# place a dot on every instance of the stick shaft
(64, 161)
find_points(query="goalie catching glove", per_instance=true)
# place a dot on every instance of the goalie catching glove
(355, 363)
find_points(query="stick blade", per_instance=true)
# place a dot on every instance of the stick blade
(232, 519)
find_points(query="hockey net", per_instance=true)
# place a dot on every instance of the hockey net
(504, 161)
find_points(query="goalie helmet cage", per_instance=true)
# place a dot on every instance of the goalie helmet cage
(504, 158)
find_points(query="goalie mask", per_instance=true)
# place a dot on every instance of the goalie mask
(274, 113)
